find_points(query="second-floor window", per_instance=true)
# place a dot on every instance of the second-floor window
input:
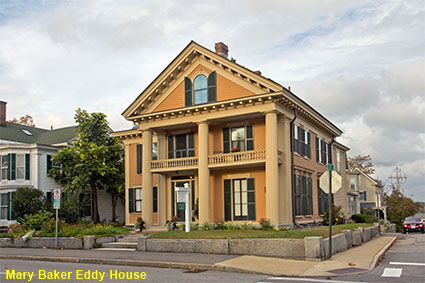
(353, 184)
(322, 151)
(301, 141)
(15, 167)
(180, 146)
(238, 139)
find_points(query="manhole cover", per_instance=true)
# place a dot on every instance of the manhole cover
(347, 270)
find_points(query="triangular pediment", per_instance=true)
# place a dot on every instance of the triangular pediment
(167, 90)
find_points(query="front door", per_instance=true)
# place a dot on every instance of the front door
(179, 182)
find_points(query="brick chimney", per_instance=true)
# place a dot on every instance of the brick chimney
(221, 49)
(3, 113)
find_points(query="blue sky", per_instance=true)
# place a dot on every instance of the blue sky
(359, 63)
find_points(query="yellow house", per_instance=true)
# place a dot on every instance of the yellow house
(247, 146)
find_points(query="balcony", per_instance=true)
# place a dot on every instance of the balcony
(218, 160)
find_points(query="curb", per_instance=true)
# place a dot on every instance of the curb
(379, 255)
(160, 264)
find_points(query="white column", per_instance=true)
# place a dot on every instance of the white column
(272, 177)
(203, 173)
(127, 181)
(147, 196)
(162, 209)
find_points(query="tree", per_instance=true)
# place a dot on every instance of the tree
(363, 163)
(28, 201)
(94, 159)
(26, 120)
(400, 207)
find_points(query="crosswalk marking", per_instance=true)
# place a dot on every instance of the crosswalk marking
(292, 279)
(408, 263)
(392, 272)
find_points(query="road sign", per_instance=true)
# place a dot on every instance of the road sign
(181, 206)
(56, 203)
(56, 194)
(336, 181)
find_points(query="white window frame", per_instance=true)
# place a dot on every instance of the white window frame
(137, 200)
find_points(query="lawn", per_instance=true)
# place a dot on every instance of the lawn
(322, 231)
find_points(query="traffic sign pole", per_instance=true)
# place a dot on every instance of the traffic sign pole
(56, 206)
(330, 210)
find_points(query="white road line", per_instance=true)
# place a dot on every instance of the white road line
(305, 280)
(392, 272)
(408, 263)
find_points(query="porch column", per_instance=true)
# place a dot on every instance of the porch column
(272, 176)
(127, 181)
(147, 196)
(162, 212)
(203, 173)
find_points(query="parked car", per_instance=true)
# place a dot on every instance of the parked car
(4, 225)
(413, 224)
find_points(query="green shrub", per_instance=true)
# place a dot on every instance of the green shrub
(265, 224)
(208, 226)
(29, 201)
(71, 207)
(337, 215)
(35, 221)
(363, 218)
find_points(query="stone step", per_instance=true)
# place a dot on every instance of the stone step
(120, 245)
(116, 249)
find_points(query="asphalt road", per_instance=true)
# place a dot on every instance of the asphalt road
(78, 273)
(403, 262)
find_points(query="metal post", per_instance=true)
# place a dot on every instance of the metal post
(187, 208)
(330, 211)
(56, 237)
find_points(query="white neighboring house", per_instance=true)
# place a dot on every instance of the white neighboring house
(25, 158)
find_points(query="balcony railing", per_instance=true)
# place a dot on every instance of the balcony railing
(175, 163)
(237, 157)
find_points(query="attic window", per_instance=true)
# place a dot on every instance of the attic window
(202, 90)
(28, 133)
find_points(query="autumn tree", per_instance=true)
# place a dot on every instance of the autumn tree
(26, 120)
(400, 207)
(95, 159)
(363, 163)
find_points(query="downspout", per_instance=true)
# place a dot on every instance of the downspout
(291, 130)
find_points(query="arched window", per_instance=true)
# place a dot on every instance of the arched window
(200, 90)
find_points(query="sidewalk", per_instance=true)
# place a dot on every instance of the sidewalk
(356, 260)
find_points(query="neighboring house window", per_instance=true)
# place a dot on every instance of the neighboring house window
(4, 206)
(322, 151)
(180, 146)
(353, 184)
(203, 89)
(85, 202)
(362, 196)
(303, 195)
(338, 161)
(238, 139)
(239, 199)
(4, 167)
(351, 204)
(51, 164)
(15, 167)
(301, 141)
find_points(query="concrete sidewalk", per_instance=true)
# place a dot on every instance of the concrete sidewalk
(360, 259)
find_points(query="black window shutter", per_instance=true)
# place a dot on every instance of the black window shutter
(323, 152)
(139, 153)
(130, 200)
(170, 147)
(49, 163)
(27, 166)
(212, 89)
(191, 143)
(249, 138)
(251, 199)
(227, 201)
(317, 150)
(155, 199)
(308, 145)
(329, 153)
(187, 92)
(226, 140)
(12, 165)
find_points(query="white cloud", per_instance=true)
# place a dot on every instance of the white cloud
(360, 63)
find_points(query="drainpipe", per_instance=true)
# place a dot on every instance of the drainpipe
(291, 130)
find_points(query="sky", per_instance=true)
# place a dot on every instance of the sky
(359, 63)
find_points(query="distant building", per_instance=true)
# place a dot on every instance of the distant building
(25, 158)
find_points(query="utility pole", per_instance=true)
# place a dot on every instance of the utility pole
(399, 177)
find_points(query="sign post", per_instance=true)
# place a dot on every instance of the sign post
(328, 181)
(183, 201)
(56, 206)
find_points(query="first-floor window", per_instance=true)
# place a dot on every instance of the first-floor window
(351, 204)
(303, 195)
(239, 199)
(4, 161)
(323, 199)
(4, 206)
(138, 200)
(362, 195)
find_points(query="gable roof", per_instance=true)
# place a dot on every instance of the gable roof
(192, 51)
(25, 134)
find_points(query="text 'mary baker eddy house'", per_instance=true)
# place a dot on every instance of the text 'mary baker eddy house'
(247, 146)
